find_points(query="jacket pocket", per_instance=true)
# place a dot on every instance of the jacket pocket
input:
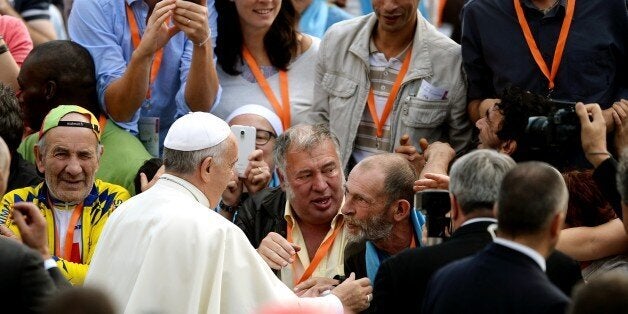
(338, 86)
(424, 113)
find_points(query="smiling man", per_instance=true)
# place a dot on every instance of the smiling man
(75, 205)
(387, 74)
(298, 228)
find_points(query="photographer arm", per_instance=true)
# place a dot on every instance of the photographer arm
(592, 243)
(593, 137)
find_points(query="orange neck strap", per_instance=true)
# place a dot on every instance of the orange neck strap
(69, 235)
(102, 121)
(135, 37)
(560, 45)
(283, 111)
(321, 252)
(379, 123)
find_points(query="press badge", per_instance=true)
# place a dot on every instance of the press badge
(148, 128)
(430, 92)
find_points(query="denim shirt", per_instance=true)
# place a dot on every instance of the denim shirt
(101, 26)
(594, 67)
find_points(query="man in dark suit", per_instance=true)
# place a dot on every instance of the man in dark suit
(401, 282)
(508, 276)
(27, 280)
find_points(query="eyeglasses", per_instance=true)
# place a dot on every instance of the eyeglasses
(262, 137)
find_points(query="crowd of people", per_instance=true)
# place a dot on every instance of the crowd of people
(407, 156)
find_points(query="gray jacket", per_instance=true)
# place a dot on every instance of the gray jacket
(342, 85)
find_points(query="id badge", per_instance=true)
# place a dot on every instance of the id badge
(149, 134)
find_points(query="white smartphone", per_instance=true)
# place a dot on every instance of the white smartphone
(245, 136)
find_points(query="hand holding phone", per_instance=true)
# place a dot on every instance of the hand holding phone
(245, 137)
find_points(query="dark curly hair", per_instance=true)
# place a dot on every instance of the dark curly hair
(517, 106)
(11, 125)
(280, 41)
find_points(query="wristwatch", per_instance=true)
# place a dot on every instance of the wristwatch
(228, 208)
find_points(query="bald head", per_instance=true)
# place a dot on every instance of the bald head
(399, 175)
(5, 162)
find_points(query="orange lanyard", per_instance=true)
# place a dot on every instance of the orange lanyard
(560, 45)
(413, 242)
(102, 121)
(320, 252)
(69, 235)
(379, 123)
(282, 110)
(135, 37)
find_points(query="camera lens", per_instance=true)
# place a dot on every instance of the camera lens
(242, 132)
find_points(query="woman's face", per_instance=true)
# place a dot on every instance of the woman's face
(263, 127)
(257, 14)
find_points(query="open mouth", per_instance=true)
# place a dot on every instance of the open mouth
(322, 202)
(263, 11)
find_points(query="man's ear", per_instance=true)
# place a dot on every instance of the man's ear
(557, 224)
(206, 169)
(401, 210)
(508, 147)
(50, 90)
(39, 159)
(455, 208)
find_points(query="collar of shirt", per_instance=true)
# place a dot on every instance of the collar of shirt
(183, 185)
(534, 255)
(529, 4)
(130, 2)
(380, 58)
(479, 219)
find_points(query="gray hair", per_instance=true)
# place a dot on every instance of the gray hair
(302, 138)
(529, 196)
(474, 179)
(186, 162)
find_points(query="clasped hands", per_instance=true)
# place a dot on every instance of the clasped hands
(186, 16)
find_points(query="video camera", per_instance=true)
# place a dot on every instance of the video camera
(434, 204)
(558, 130)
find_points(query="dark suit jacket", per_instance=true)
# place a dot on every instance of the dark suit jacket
(496, 280)
(25, 286)
(401, 280)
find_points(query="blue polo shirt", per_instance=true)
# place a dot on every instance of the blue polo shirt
(594, 65)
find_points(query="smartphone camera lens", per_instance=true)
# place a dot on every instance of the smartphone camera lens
(242, 132)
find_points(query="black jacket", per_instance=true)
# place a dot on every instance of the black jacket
(496, 280)
(26, 286)
(261, 214)
(401, 280)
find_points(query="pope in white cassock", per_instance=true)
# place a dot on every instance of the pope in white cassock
(165, 251)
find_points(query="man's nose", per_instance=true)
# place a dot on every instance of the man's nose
(480, 123)
(347, 209)
(319, 184)
(74, 166)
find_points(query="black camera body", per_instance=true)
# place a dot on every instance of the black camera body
(556, 132)
(434, 204)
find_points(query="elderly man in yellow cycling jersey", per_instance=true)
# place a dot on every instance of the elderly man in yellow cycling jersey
(75, 205)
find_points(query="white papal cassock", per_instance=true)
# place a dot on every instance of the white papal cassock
(165, 251)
